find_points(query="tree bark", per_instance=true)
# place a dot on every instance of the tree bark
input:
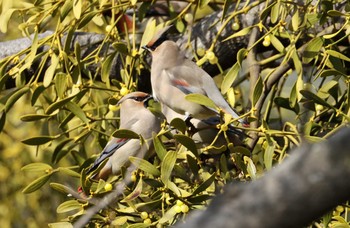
(312, 181)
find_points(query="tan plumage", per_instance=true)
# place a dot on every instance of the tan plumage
(173, 76)
(134, 116)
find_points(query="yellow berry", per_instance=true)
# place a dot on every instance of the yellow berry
(266, 43)
(213, 61)
(109, 28)
(177, 209)
(144, 215)
(179, 203)
(108, 187)
(235, 26)
(210, 55)
(224, 127)
(147, 221)
(188, 17)
(200, 51)
(339, 209)
(319, 107)
(124, 91)
(184, 208)
(133, 178)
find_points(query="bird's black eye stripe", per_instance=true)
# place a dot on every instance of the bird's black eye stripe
(139, 98)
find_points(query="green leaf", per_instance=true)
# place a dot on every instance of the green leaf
(258, 89)
(65, 9)
(14, 97)
(229, 78)
(242, 32)
(312, 49)
(159, 148)
(69, 172)
(86, 19)
(241, 54)
(265, 12)
(61, 84)
(36, 184)
(145, 166)
(331, 72)
(269, 151)
(135, 193)
(192, 162)
(37, 92)
(4, 19)
(59, 151)
(77, 5)
(70, 205)
(58, 104)
(334, 13)
(36, 167)
(277, 44)
(204, 185)
(106, 67)
(337, 55)
(60, 187)
(33, 117)
(297, 63)
(251, 169)
(309, 95)
(203, 3)
(139, 225)
(120, 47)
(38, 140)
(78, 112)
(188, 143)
(124, 133)
(167, 166)
(200, 99)
(50, 72)
(168, 215)
(179, 124)
(149, 206)
(275, 12)
(295, 20)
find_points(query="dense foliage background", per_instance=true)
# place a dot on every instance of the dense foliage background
(58, 96)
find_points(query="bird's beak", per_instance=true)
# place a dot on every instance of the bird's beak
(146, 48)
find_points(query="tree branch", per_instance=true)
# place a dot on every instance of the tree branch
(308, 184)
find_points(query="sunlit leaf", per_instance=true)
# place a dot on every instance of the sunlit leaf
(229, 78)
(187, 142)
(145, 166)
(268, 153)
(70, 205)
(50, 72)
(338, 55)
(242, 32)
(4, 19)
(78, 112)
(258, 89)
(167, 166)
(36, 167)
(124, 133)
(77, 5)
(200, 99)
(312, 49)
(36, 184)
(60, 224)
(250, 167)
(159, 147)
(106, 67)
(135, 193)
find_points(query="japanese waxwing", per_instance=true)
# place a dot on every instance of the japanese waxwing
(206, 131)
(134, 116)
(173, 76)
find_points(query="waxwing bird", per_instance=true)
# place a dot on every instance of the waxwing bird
(173, 76)
(134, 116)
(206, 131)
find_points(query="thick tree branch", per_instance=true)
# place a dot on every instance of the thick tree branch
(309, 183)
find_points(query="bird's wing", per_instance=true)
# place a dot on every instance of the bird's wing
(111, 147)
(185, 78)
